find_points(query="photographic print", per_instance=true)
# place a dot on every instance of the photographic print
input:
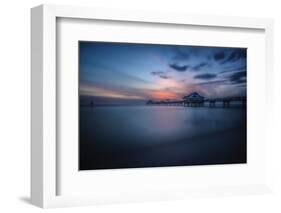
(155, 105)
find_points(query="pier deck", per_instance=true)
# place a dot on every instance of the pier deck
(211, 102)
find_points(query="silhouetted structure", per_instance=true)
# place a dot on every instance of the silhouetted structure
(226, 101)
(194, 99)
(149, 102)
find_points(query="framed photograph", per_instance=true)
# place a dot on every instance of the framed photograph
(130, 106)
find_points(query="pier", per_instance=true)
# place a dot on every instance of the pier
(196, 100)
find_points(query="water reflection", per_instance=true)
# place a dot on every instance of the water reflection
(144, 136)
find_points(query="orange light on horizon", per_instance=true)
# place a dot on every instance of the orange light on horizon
(92, 90)
(163, 95)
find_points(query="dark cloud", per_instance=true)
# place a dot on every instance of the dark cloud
(184, 68)
(157, 73)
(164, 76)
(235, 55)
(217, 82)
(238, 77)
(234, 68)
(241, 85)
(178, 67)
(160, 74)
(206, 76)
(219, 56)
(241, 81)
(200, 66)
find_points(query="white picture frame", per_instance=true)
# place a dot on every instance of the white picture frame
(45, 177)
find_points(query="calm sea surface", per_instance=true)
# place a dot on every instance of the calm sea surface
(149, 136)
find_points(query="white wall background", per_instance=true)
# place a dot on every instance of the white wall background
(15, 105)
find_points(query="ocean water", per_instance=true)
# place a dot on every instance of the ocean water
(114, 137)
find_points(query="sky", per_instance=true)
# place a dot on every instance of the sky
(130, 73)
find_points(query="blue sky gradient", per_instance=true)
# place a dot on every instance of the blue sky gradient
(137, 72)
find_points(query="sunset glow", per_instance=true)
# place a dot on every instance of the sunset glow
(139, 72)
